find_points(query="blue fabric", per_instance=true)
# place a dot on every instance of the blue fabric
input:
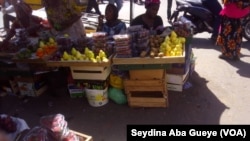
(121, 26)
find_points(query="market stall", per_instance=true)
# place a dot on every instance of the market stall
(153, 61)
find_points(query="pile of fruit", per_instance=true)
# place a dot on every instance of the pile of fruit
(87, 55)
(172, 45)
(46, 48)
(154, 43)
(7, 124)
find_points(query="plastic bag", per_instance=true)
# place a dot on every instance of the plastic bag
(116, 81)
(39, 134)
(117, 95)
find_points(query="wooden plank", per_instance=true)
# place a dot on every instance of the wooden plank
(150, 83)
(151, 74)
(146, 89)
(143, 66)
(96, 73)
(148, 60)
(151, 104)
(76, 63)
(147, 100)
(82, 137)
(7, 55)
(30, 61)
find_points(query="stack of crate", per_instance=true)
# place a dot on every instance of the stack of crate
(146, 88)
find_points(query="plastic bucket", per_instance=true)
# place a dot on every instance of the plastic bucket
(97, 98)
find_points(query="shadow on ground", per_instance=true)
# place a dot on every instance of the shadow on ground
(196, 105)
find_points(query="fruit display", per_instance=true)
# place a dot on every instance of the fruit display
(99, 42)
(7, 124)
(155, 43)
(75, 55)
(142, 43)
(172, 45)
(46, 48)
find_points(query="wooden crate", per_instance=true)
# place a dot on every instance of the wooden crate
(149, 74)
(90, 73)
(148, 60)
(82, 137)
(146, 93)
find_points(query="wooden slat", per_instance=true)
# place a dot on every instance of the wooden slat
(150, 83)
(151, 104)
(83, 137)
(147, 100)
(150, 74)
(76, 63)
(146, 89)
(148, 60)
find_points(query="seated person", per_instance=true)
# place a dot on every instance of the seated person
(24, 19)
(149, 20)
(112, 25)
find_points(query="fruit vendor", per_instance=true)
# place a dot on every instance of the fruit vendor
(113, 25)
(149, 20)
(24, 19)
(65, 17)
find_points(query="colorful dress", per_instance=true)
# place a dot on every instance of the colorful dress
(231, 29)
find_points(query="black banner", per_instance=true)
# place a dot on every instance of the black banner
(194, 132)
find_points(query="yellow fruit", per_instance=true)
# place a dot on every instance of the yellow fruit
(51, 40)
(73, 51)
(41, 44)
(66, 56)
(104, 59)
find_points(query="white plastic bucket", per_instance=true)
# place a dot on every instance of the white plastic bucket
(97, 98)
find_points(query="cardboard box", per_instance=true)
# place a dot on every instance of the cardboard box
(9, 86)
(32, 85)
(175, 87)
(177, 78)
(181, 68)
(175, 82)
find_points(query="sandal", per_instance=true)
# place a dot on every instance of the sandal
(225, 57)
(236, 58)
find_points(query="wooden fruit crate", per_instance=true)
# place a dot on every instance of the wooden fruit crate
(149, 74)
(146, 93)
(82, 137)
(149, 60)
(90, 73)
(78, 63)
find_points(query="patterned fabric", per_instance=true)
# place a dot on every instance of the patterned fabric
(230, 37)
(231, 31)
(62, 13)
(121, 26)
(240, 3)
